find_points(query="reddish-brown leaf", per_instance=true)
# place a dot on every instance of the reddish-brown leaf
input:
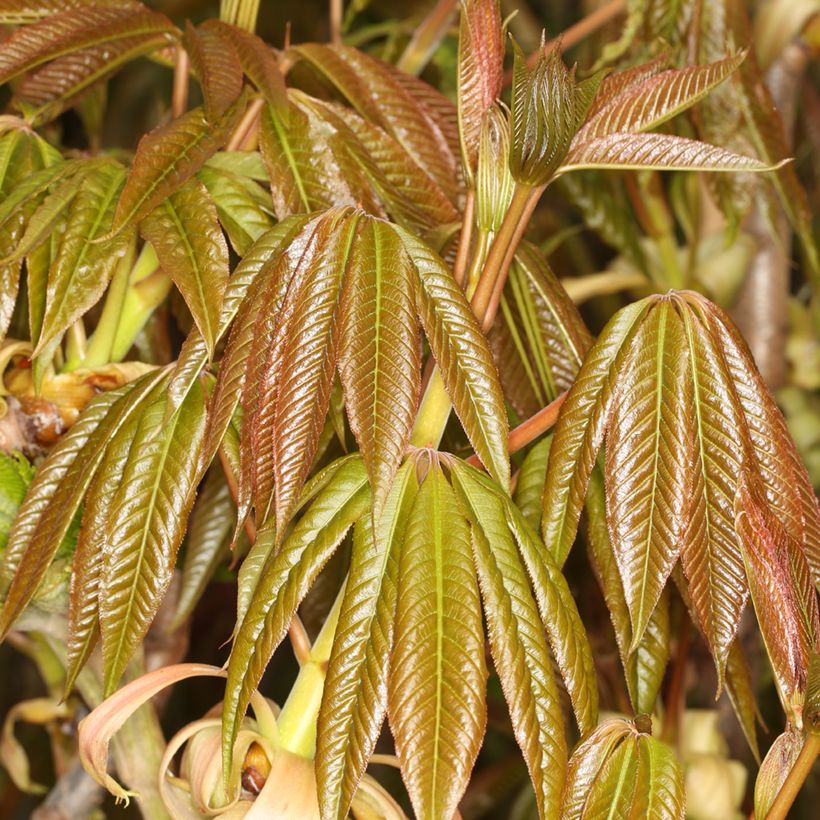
(217, 66)
(480, 71)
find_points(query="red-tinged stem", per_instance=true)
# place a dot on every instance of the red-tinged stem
(464, 242)
(336, 14)
(675, 694)
(179, 95)
(530, 429)
(426, 37)
(299, 640)
(501, 277)
(579, 31)
(795, 779)
(249, 121)
(490, 286)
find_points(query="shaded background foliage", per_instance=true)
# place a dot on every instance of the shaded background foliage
(136, 103)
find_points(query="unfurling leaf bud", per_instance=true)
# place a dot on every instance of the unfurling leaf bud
(494, 183)
(543, 117)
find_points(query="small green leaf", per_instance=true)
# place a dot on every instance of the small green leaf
(520, 652)
(283, 583)
(206, 543)
(243, 206)
(354, 699)
(185, 233)
(775, 768)
(81, 271)
(437, 685)
(147, 516)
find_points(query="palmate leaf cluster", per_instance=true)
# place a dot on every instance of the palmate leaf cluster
(319, 265)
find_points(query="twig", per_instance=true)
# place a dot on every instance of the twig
(463, 255)
(249, 121)
(179, 95)
(675, 693)
(336, 13)
(795, 778)
(426, 37)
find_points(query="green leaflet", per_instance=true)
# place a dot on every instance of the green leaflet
(284, 581)
(775, 767)
(648, 452)
(168, 156)
(463, 356)
(15, 476)
(519, 649)
(380, 352)
(355, 692)
(580, 431)
(217, 66)
(191, 248)
(559, 615)
(644, 667)
(206, 542)
(416, 115)
(57, 490)
(147, 520)
(530, 485)
(84, 599)
(80, 270)
(437, 682)
(242, 204)
(741, 691)
(621, 772)
(18, 158)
